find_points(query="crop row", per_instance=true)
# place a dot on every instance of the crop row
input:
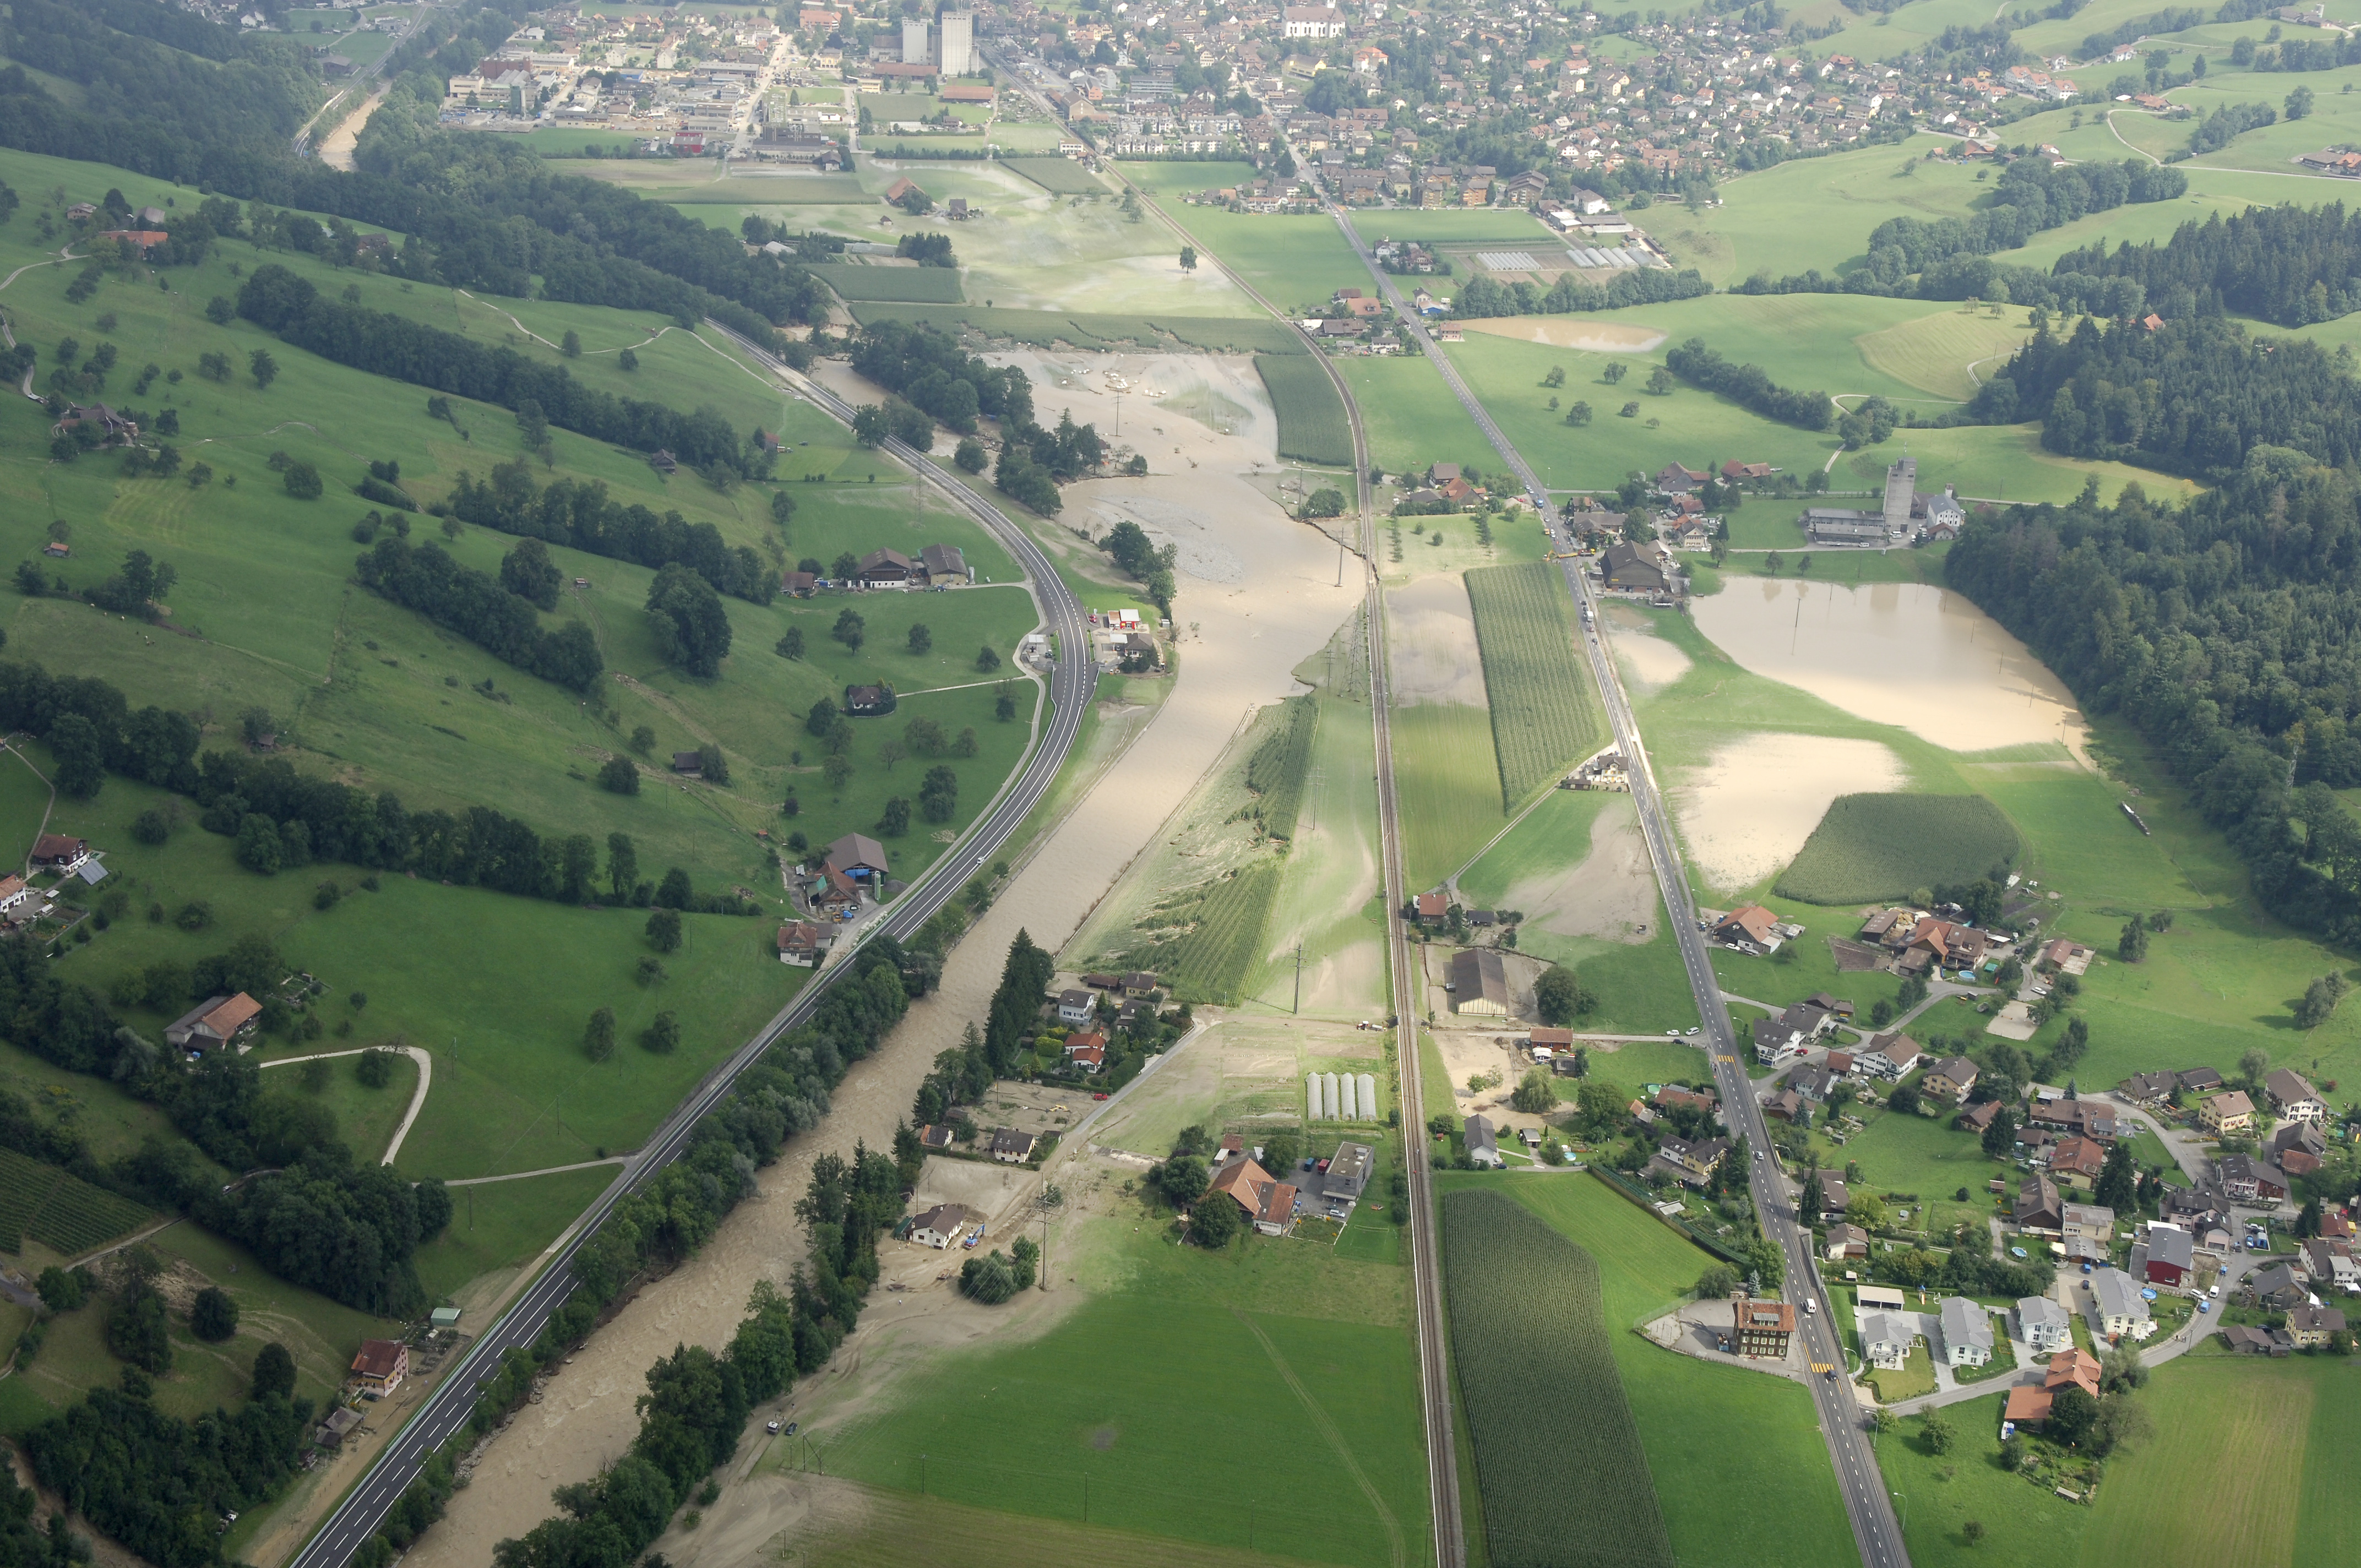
(1888, 846)
(1529, 1340)
(60, 1209)
(1544, 717)
(1222, 924)
(1278, 766)
(1311, 421)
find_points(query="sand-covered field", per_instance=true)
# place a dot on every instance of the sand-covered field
(1748, 811)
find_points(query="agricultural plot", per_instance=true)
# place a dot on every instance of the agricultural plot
(1313, 424)
(1530, 1342)
(1276, 771)
(1059, 176)
(60, 1210)
(902, 285)
(1446, 784)
(1545, 716)
(1050, 329)
(1886, 846)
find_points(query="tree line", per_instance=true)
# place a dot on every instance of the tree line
(384, 343)
(1748, 386)
(2291, 266)
(480, 608)
(2222, 632)
(580, 515)
(1484, 297)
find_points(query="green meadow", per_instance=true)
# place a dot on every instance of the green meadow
(1759, 1492)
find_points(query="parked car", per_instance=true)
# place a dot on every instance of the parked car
(771, 1427)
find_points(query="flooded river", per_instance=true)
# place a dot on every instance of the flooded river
(1902, 654)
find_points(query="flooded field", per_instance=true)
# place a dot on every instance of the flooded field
(1433, 638)
(1903, 653)
(1748, 811)
(1649, 663)
(1564, 332)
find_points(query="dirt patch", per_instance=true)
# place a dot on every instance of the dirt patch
(1852, 957)
(1649, 662)
(1431, 643)
(1566, 331)
(1611, 895)
(1748, 811)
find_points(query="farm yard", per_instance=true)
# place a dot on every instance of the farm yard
(1545, 714)
(1312, 426)
(1887, 845)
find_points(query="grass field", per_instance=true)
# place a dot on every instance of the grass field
(1059, 176)
(1508, 226)
(1760, 1495)
(1545, 713)
(900, 285)
(1411, 418)
(1448, 787)
(1297, 262)
(1313, 424)
(1046, 329)
(1887, 845)
(1528, 1334)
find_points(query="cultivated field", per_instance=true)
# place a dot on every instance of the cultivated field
(1059, 176)
(1312, 425)
(1055, 329)
(1412, 419)
(1543, 1346)
(1886, 846)
(900, 285)
(63, 1213)
(1545, 714)
(1448, 785)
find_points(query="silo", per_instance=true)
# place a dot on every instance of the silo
(1312, 1096)
(1347, 1099)
(1327, 1096)
(1368, 1098)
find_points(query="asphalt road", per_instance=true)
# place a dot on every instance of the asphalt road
(1071, 684)
(1867, 1503)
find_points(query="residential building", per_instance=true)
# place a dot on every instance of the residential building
(1075, 1006)
(1966, 1332)
(2310, 1326)
(2115, 1301)
(1889, 1057)
(1482, 1147)
(940, 1226)
(2292, 1097)
(2084, 1118)
(2249, 1178)
(2148, 1089)
(1010, 1146)
(1886, 1338)
(2171, 1255)
(801, 943)
(215, 1022)
(1834, 1199)
(2038, 1211)
(1776, 1042)
(1348, 1172)
(1627, 567)
(1086, 1050)
(2198, 1081)
(2087, 1222)
(2329, 1264)
(2077, 1162)
(1952, 1078)
(2043, 1324)
(58, 853)
(1692, 1163)
(937, 1136)
(1847, 1241)
(886, 568)
(1480, 982)
(13, 891)
(2228, 1111)
(2278, 1288)
(1764, 1329)
(1750, 925)
(381, 1366)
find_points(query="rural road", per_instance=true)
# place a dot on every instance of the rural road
(418, 1096)
(1071, 684)
(1867, 1503)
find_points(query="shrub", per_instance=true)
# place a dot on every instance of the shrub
(213, 1317)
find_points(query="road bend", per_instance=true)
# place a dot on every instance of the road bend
(1072, 680)
(1867, 1505)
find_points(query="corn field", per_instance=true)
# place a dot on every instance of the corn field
(1886, 846)
(1558, 1462)
(1546, 714)
(1312, 423)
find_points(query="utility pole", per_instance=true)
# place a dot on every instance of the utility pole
(1298, 1008)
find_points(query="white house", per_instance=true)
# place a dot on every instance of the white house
(2116, 1299)
(940, 1226)
(2044, 1325)
(1886, 1338)
(1966, 1332)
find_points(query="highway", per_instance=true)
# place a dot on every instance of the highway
(1071, 684)
(1867, 1505)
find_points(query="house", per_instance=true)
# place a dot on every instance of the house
(2293, 1099)
(2148, 1089)
(113, 427)
(937, 1136)
(1764, 1328)
(1966, 1332)
(214, 1023)
(1348, 1172)
(942, 564)
(1692, 1162)
(857, 856)
(1947, 945)
(869, 702)
(1834, 1199)
(2251, 1179)
(2228, 1111)
(55, 852)
(1074, 1007)
(2027, 1406)
(13, 891)
(1786, 1105)
(1243, 1182)
(2116, 1300)
(2329, 1263)
(381, 1366)
(1976, 1118)
(1010, 1146)
(899, 188)
(2082, 1118)
(332, 1431)
(1628, 568)
(1086, 1049)
(1886, 1338)
(2278, 1288)
(1431, 909)
(1889, 1055)
(1751, 926)
(2296, 1146)
(2072, 1368)
(1276, 1214)
(1838, 1063)
(940, 1226)
(1815, 1083)
(801, 943)
(832, 892)
(2171, 1255)
(1952, 1078)
(885, 568)
(2043, 1324)
(688, 764)
(1776, 1042)
(2088, 1223)
(1673, 479)
(1139, 982)
(1482, 1147)
(2310, 1326)
(1479, 982)
(2038, 1211)
(1544, 1039)
(1847, 1241)
(798, 585)
(2075, 1162)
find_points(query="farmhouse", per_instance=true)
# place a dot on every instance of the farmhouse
(801, 942)
(215, 1022)
(869, 702)
(940, 1226)
(55, 852)
(1479, 982)
(1764, 1328)
(857, 856)
(1752, 928)
(942, 564)
(1628, 568)
(884, 568)
(381, 1366)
